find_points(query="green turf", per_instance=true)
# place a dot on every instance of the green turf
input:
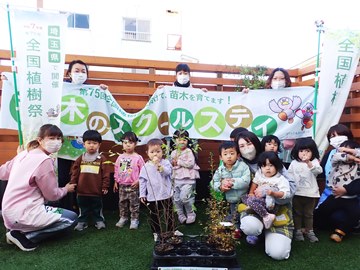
(115, 248)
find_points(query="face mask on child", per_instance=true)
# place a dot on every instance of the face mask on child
(78, 78)
(183, 79)
(277, 84)
(248, 152)
(52, 146)
(337, 141)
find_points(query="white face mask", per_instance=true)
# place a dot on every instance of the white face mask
(52, 146)
(278, 84)
(337, 141)
(248, 152)
(78, 78)
(182, 78)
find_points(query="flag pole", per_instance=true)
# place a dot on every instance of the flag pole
(320, 29)
(13, 69)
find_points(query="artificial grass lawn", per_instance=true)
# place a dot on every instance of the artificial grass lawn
(125, 249)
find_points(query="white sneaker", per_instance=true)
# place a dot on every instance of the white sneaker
(134, 224)
(81, 226)
(178, 233)
(156, 237)
(122, 221)
(100, 225)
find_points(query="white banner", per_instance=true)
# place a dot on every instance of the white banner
(8, 108)
(339, 61)
(287, 113)
(39, 38)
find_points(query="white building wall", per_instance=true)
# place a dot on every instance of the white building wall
(104, 38)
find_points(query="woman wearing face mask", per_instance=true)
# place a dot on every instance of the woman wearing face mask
(336, 135)
(279, 78)
(77, 73)
(182, 77)
(31, 183)
(279, 236)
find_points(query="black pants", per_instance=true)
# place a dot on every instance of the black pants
(90, 206)
(162, 218)
(324, 214)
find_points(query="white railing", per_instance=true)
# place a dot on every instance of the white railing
(138, 36)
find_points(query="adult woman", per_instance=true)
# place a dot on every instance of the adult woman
(77, 73)
(279, 236)
(279, 78)
(182, 72)
(336, 135)
(32, 182)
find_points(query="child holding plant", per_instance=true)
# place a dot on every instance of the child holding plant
(232, 177)
(156, 189)
(185, 173)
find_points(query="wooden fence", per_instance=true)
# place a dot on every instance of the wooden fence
(132, 90)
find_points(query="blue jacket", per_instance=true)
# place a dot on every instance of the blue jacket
(240, 173)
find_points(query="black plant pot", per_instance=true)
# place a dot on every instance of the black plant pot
(195, 252)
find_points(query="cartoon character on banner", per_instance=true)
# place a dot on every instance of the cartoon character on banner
(77, 142)
(286, 107)
(53, 112)
(306, 114)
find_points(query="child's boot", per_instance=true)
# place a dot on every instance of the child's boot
(252, 239)
(191, 216)
(268, 220)
(311, 236)
(337, 236)
(180, 212)
(299, 235)
(182, 218)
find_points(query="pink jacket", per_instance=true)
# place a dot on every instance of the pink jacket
(186, 167)
(127, 168)
(31, 182)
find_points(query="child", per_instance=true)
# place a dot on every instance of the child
(127, 169)
(270, 143)
(267, 184)
(232, 177)
(156, 189)
(91, 175)
(185, 173)
(345, 171)
(31, 182)
(304, 169)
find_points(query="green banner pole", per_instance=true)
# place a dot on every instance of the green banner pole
(320, 29)
(13, 69)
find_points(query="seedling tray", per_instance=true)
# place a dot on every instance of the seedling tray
(194, 253)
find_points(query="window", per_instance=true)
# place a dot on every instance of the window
(174, 42)
(136, 29)
(76, 20)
